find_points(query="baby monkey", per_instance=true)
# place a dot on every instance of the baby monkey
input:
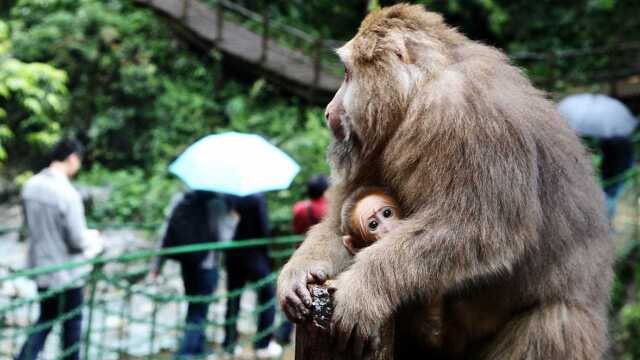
(369, 214)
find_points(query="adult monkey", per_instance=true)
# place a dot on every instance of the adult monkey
(502, 215)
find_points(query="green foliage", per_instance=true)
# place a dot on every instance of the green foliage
(32, 99)
(133, 195)
(630, 316)
(548, 26)
(138, 94)
(126, 84)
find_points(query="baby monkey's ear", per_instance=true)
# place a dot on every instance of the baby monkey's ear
(347, 241)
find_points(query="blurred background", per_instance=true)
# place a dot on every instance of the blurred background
(138, 81)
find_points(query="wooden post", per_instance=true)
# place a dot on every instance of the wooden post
(317, 61)
(612, 67)
(313, 340)
(185, 9)
(551, 79)
(265, 34)
(219, 20)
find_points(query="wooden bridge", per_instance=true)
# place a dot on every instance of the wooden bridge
(308, 74)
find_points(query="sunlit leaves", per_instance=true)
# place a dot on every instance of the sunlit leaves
(32, 97)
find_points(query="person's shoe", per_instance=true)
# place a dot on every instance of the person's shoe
(274, 350)
(238, 352)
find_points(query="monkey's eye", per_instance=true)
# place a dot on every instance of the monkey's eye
(387, 212)
(347, 73)
(373, 225)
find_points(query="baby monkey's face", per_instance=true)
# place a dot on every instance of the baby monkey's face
(376, 214)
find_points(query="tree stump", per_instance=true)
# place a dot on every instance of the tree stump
(313, 341)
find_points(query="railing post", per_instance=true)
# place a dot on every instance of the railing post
(612, 55)
(103, 332)
(551, 78)
(185, 9)
(122, 330)
(313, 340)
(152, 336)
(13, 345)
(265, 35)
(219, 20)
(317, 61)
(93, 285)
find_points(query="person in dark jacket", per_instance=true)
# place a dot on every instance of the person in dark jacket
(194, 219)
(250, 264)
(617, 158)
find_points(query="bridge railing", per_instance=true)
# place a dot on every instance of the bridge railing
(316, 47)
(126, 314)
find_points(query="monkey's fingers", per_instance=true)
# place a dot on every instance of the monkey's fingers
(300, 297)
(317, 276)
(332, 289)
(303, 293)
(292, 306)
(290, 313)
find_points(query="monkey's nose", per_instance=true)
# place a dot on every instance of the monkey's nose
(326, 115)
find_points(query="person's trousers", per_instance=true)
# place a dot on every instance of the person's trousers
(283, 334)
(197, 282)
(612, 194)
(241, 270)
(66, 306)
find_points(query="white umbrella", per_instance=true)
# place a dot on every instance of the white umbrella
(597, 115)
(234, 163)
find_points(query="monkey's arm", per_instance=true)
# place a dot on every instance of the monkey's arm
(481, 217)
(321, 255)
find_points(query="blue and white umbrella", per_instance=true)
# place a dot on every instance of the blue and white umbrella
(234, 163)
(597, 115)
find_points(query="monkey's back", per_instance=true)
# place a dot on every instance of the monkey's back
(569, 258)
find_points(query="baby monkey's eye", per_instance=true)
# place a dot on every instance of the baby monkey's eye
(372, 224)
(387, 212)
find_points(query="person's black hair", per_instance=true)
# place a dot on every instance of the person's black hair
(316, 186)
(64, 148)
(204, 195)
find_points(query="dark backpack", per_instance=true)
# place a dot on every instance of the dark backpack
(191, 223)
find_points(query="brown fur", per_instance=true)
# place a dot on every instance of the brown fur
(431, 329)
(503, 218)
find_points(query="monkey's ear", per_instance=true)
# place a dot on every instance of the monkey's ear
(367, 49)
(406, 51)
(347, 241)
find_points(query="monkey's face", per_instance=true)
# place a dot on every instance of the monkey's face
(370, 101)
(375, 215)
(385, 64)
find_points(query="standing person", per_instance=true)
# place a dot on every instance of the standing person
(306, 213)
(249, 265)
(57, 233)
(309, 212)
(617, 158)
(196, 218)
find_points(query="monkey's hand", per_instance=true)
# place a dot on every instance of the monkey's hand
(358, 315)
(293, 294)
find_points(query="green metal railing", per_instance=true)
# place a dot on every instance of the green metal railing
(126, 315)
